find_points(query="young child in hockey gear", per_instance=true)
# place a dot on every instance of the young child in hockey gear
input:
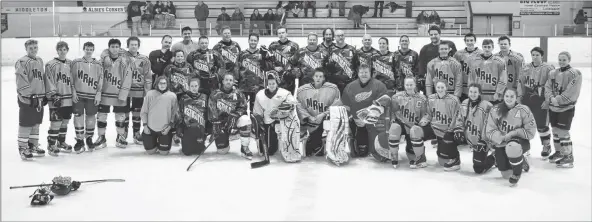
(406, 62)
(470, 128)
(314, 100)
(340, 62)
(561, 92)
(358, 95)
(510, 127)
(489, 71)
(141, 84)
(205, 65)
(366, 52)
(383, 64)
(514, 61)
(251, 69)
(308, 59)
(116, 86)
(31, 99)
(58, 84)
(446, 69)
(159, 115)
(463, 56)
(87, 83)
(442, 111)
(179, 73)
(531, 85)
(282, 52)
(227, 51)
(272, 104)
(192, 119)
(227, 108)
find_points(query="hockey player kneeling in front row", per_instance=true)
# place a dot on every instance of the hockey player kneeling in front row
(158, 114)
(510, 127)
(192, 119)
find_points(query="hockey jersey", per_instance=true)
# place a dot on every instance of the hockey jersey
(282, 53)
(406, 65)
(141, 75)
(117, 80)
(204, 64)
(514, 62)
(463, 56)
(431, 51)
(308, 61)
(357, 96)
(251, 71)
(341, 66)
(471, 120)
(179, 76)
(313, 101)
(519, 121)
(490, 73)
(87, 78)
(193, 111)
(408, 109)
(58, 81)
(265, 104)
(532, 80)
(223, 104)
(29, 78)
(383, 68)
(326, 50)
(442, 113)
(227, 53)
(365, 56)
(444, 69)
(564, 84)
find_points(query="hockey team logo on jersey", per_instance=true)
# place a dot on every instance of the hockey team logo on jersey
(385, 69)
(444, 76)
(287, 49)
(363, 96)
(253, 67)
(137, 77)
(311, 62)
(63, 78)
(229, 55)
(487, 77)
(441, 117)
(279, 58)
(195, 114)
(37, 74)
(505, 127)
(224, 106)
(343, 63)
(112, 79)
(92, 82)
(201, 65)
(179, 79)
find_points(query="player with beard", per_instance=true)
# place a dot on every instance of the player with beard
(327, 45)
(227, 52)
(282, 52)
(205, 65)
(406, 62)
(514, 61)
(366, 53)
(384, 66)
(490, 72)
(308, 59)
(192, 119)
(252, 63)
(340, 63)
(463, 56)
(431, 51)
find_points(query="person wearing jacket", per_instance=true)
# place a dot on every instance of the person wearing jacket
(238, 21)
(192, 119)
(201, 12)
(134, 14)
(256, 22)
(159, 113)
(223, 20)
(269, 18)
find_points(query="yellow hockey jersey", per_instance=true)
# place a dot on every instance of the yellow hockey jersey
(532, 80)
(565, 86)
(442, 113)
(514, 62)
(313, 101)
(472, 120)
(464, 56)
(445, 69)
(408, 109)
(29, 78)
(87, 78)
(490, 73)
(141, 75)
(58, 81)
(117, 81)
(519, 122)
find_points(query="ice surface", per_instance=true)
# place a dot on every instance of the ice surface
(223, 187)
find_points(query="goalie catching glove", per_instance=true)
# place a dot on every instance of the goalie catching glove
(282, 111)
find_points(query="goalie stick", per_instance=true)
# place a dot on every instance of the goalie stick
(257, 134)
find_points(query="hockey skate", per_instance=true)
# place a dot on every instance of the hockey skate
(514, 180)
(452, 165)
(89, 144)
(120, 142)
(38, 152)
(64, 147)
(394, 160)
(53, 149)
(565, 161)
(546, 151)
(138, 138)
(525, 164)
(176, 140)
(553, 158)
(100, 143)
(246, 153)
(25, 153)
(79, 146)
(420, 162)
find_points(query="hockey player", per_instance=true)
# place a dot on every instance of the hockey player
(490, 72)
(366, 52)
(531, 85)
(514, 61)
(116, 87)
(87, 83)
(562, 91)
(159, 114)
(187, 45)
(227, 51)
(384, 66)
(357, 96)
(252, 63)
(282, 52)
(442, 111)
(510, 127)
(192, 119)
(314, 100)
(58, 84)
(31, 98)
(406, 62)
(340, 62)
(463, 56)
(161, 58)
(141, 84)
(179, 73)
(431, 51)
(272, 104)
(227, 108)
(446, 69)
(470, 128)
(205, 64)
(327, 45)
(309, 58)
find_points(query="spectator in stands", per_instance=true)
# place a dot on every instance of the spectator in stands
(356, 13)
(280, 19)
(422, 23)
(336, 4)
(223, 20)
(257, 22)
(581, 17)
(162, 57)
(201, 13)
(187, 45)
(157, 8)
(310, 5)
(295, 7)
(269, 19)
(376, 4)
(393, 6)
(134, 13)
(435, 19)
(238, 21)
(147, 12)
(170, 12)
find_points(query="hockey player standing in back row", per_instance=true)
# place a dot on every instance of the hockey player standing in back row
(327, 45)
(227, 52)
(227, 108)
(514, 61)
(431, 51)
(282, 52)
(252, 64)
(31, 98)
(383, 64)
(205, 65)
(562, 91)
(141, 84)
(192, 119)
(463, 56)
(309, 58)
(510, 127)
(58, 84)
(446, 69)
(366, 52)
(340, 62)
(531, 93)
(116, 86)
(406, 62)
(87, 82)
(490, 72)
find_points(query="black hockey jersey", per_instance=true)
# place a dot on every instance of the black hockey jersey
(365, 56)
(307, 61)
(251, 70)
(223, 104)
(179, 76)
(193, 110)
(227, 52)
(384, 69)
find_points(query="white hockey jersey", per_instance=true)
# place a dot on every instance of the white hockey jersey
(264, 104)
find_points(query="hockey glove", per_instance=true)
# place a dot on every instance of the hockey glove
(371, 114)
(459, 137)
(480, 147)
(421, 83)
(231, 125)
(56, 100)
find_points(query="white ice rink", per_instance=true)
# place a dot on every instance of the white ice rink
(224, 187)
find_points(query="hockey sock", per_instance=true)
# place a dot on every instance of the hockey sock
(90, 126)
(63, 130)
(34, 136)
(136, 120)
(102, 123)
(245, 135)
(516, 163)
(418, 147)
(545, 135)
(566, 146)
(126, 124)
(23, 136)
(393, 143)
(556, 142)
(54, 130)
(515, 156)
(434, 143)
(120, 123)
(79, 126)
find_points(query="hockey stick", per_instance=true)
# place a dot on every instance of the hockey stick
(202, 152)
(264, 162)
(86, 181)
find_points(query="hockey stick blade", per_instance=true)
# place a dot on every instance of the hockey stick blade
(198, 156)
(259, 164)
